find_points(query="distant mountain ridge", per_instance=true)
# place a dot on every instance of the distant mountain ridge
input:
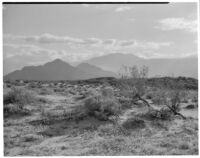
(106, 66)
(59, 70)
(187, 66)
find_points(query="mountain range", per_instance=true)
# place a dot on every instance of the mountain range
(106, 66)
(187, 66)
(59, 70)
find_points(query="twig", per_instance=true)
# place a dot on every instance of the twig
(175, 112)
(143, 100)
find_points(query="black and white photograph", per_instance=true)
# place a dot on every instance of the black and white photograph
(100, 78)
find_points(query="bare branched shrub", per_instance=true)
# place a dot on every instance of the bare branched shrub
(163, 114)
(172, 101)
(132, 82)
(156, 115)
(175, 100)
(159, 97)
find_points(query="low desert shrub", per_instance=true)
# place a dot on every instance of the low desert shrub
(159, 98)
(102, 105)
(77, 114)
(175, 99)
(107, 92)
(15, 100)
(95, 105)
(12, 109)
(165, 114)
(48, 117)
(110, 106)
(20, 97)
(92, 103)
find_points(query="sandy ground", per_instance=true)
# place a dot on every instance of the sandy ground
(28, 136)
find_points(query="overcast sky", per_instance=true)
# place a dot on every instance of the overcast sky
(34, 34)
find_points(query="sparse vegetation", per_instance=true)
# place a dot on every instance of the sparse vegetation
(20, 97)
(15, 101)
(102, 105)
(133, 81)
(102, 116)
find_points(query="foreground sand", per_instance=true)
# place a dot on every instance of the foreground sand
(31, 136)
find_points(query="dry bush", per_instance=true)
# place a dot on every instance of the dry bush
(174, 100)
(92, 103)
(48, 117)
(102, 105)
(20, 97)
(171, 99)
(184, 96)
(159, 97)
(107, 92)
(133, 81)
(16, 100)
(12, 109)
(52, 116)
(165, 114)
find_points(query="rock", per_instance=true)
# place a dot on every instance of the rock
(190, 106)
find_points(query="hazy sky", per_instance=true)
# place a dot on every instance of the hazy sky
(37, 33)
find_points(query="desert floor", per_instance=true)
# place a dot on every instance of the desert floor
(48, 131)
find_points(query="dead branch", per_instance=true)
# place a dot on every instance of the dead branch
(137, 97)
(175, 112)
